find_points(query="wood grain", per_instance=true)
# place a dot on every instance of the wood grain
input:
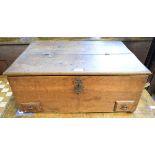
(77, 58)
(143, 110)
(57, 94)
(46, 75)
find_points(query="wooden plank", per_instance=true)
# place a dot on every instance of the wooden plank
(27, 40)
(57, 93)
(143, 110)
(78, 47)
(77, 58)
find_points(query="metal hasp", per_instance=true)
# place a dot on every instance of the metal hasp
(78, 86)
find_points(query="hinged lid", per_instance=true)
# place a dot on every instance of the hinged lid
(77, 58)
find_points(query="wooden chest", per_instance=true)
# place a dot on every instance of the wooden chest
(77, 76)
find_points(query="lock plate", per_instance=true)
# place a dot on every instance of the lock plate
(78, 86)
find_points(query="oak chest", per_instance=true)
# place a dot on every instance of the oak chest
(77, 76)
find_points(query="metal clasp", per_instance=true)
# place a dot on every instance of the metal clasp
(78, 86)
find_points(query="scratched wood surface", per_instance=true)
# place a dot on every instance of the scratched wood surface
(145, 109)
(77, 58)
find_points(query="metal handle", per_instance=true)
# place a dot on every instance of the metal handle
(78, 86)
(124, 107)
(29, 107)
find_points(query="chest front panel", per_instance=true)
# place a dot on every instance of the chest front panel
(77, 93)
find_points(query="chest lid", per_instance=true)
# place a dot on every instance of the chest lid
(76, 58)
